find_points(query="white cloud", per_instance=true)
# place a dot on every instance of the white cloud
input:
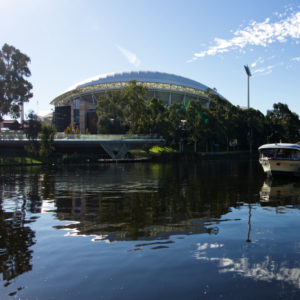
(264, 70)
(258, 61)
(296, 59)
(257, 34)
(130, 56)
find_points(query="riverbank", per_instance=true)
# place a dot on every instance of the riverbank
(17, 160)
(158, 154)
(184, 156)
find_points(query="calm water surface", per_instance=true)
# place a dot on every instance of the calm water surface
(209, 230)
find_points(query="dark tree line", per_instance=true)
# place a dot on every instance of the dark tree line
(219, 126)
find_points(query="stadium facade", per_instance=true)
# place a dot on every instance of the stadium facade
(77, 106)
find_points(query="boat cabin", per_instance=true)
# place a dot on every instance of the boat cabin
(280, 151)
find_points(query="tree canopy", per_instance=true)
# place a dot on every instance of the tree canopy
(14, 88)
(282, 124)
(220, 126)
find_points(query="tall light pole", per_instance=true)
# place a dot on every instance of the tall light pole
(248, 105)
(248, 83)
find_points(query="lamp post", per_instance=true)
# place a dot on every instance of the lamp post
(248, 83)
(248, 106)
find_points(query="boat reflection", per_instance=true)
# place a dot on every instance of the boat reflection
(280, 191)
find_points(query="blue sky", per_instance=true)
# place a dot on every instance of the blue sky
(208, 41)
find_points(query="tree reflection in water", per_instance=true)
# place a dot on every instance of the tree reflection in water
(218, 202)
(126, 203)
(19, 197)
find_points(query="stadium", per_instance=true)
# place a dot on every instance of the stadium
(77, 106)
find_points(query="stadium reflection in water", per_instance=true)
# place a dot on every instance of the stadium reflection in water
(220, 229)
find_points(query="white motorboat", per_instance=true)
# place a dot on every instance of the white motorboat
(280, 158)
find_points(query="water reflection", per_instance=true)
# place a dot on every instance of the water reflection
(19, 199)
(208, 221)
(266, 269)
(147, 201)
(280, 191)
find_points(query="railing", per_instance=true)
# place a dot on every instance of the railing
(12, 135)
(15, 135)
(106, 136)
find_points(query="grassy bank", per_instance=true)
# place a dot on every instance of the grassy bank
(169, 154)
(18, 161)
(156, 153)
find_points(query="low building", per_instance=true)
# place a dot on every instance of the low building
(9, 125)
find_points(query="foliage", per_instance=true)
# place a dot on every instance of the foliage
(155, 120)
(282, 124)
(177, 117)
(255, 126)
(46, 140)
(17, 160)
(71, 130)
(198, 123)
(158, 149)
(135, 98)
(219, 126)
(108, 125)
(32, 128)
(111, 112)
(14, 88)
(40, 136)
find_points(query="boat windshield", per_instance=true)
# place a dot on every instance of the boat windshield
(280, 154)
(268, 153)
(288, 154)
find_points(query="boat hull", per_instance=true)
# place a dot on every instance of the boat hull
(277, 166)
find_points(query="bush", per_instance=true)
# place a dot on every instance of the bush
(161, 150)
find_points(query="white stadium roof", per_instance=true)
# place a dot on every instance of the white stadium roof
(141, 76)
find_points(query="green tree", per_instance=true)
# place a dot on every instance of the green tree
(226, 118)
(155, 118)
(282, 124)
(177, 118)
(106, 125)
(111, 109)
(46, 136)
(14, 88)
(159, 117)
(135, 98)
(256, 127)
(199, 123)
(122, 111)
(32, 128)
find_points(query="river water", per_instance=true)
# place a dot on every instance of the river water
(218, 229)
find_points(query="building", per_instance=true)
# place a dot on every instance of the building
(77, 106)
(6, 125)
(47, 119)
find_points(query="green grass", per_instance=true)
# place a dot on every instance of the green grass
(161, 150)
(18, 161)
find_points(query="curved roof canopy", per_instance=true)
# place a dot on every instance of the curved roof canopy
(148, 77)
(141, 76)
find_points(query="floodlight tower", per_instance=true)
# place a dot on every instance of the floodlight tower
(248, 83)
(248, 105)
